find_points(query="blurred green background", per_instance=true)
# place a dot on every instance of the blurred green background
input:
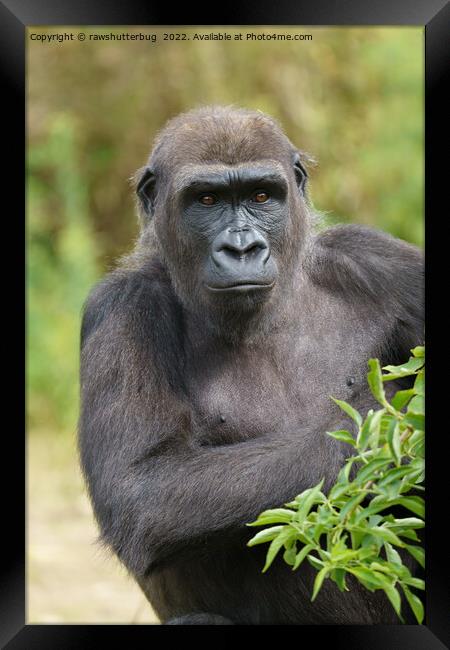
(350, 97)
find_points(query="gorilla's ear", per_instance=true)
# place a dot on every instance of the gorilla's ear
(145, 190)
(300, 172)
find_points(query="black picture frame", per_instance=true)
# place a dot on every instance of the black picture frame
(15, 16)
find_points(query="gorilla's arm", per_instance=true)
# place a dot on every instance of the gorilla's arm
(155, 489)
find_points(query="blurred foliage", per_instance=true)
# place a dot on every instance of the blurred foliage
(351, 97)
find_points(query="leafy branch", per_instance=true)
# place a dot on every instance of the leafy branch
(348, 530)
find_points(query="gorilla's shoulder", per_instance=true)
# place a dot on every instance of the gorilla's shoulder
(372, 269)
(127, 295)
(354, 239)
(361, 261)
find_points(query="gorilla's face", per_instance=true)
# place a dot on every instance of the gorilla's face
(229, 222)
(234, 215)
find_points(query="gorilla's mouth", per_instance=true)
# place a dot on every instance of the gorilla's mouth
(242, 286)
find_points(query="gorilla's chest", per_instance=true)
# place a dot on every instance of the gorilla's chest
(241, 396)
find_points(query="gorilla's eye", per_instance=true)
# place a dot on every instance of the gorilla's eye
(207, 199)
(261, 197)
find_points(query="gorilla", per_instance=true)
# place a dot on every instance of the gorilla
(208, 358)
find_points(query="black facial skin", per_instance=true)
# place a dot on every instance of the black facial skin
(208, 358)
(237, 213)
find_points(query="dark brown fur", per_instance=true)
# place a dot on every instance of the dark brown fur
(196, 416)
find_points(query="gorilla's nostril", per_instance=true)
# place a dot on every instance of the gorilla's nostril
(254, 250)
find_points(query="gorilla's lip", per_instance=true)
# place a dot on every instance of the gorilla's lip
(241, 286)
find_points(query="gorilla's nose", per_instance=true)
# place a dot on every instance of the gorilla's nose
(239, 245)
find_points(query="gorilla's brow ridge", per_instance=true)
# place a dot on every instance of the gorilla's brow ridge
(191, 173)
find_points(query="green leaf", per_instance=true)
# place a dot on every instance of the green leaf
(417, 463)
(275, 516)
(414, 603)
(401, 398)
(364, 553)
(403, 370)
(393, 439)
(325, 515)
(369, 470)
(415, 504)
(419, 351)
(372, 542)
(342, 477)
(315, 562)
(317, 531)
(409, 533)
(352, 503)
(376, 427)
(396, 473)
(391, 554)
(290, 553)
(370, 579)
(301, 556)
(412, 480)
(356, 536)
(391, 570)
(266, 535)
(338, 576)
(320, 577)
(386, 535)
(375, 380)
(338, 490)
(276, 545)
(419, 384)
(407, 522)
(393, 595)
(416, 444)
(376, 505)
(371, 427)
(418, 554)
(375, 520)
(344, 436)
(310, 497)
(392, 491)
(386, 584)
(416, 420)
(338, 547)
(417, 405)
(349, 410)
(415, 582)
